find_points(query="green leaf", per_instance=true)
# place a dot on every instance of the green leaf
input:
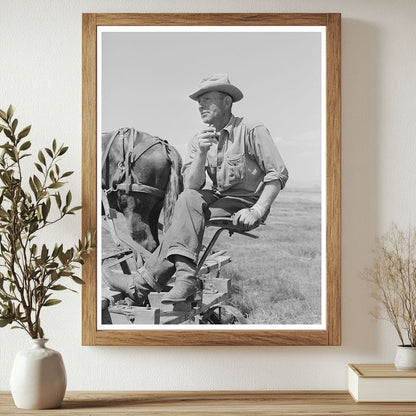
(59, 287)
(34, 226)
(10, 112)
(25, 145)
(60, 249)
(54, 145)
(34, 249)
(5, 321)
(77, 208)
(14, 125)
(63, 150)
(68, 198)
(8, 133)
(55, 251)
(58, 199)
(39, 167)
(40, 332)
(45, 211)
(24, 132)
(67, 174)
(37, 183)
(51, 302)
(41, 157)
(49, 152)
(76, 279)
(3, 115)
(33, 187)
(56, 185)
(44, 253)
(62, 257)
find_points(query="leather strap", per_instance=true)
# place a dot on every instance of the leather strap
(128, 160)
(134, 152)
(110, 222)
(106, 166)
(140, 188)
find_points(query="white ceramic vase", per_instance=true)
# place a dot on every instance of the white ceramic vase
(38, 377)
(405, 358)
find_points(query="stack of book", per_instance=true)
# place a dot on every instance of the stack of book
(381, 383)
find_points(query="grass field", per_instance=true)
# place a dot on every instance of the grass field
(276, 279)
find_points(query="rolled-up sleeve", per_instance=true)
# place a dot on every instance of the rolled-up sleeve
(263, 149)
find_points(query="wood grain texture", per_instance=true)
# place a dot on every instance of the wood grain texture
(89, 173)
(207, 337)
(212, 404)
(332, 334)
(333, 244)
(380, 371)
(212, 19)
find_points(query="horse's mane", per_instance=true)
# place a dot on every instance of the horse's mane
(174, 187)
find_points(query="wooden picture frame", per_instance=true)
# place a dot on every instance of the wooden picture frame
(331, 333)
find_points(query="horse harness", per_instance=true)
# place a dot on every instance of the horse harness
(131, 182)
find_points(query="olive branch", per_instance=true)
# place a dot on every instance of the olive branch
(31, 274)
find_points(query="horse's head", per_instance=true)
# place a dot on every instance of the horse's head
(140, 169)
(141, 213)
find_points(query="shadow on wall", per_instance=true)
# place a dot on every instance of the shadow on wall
(360, 179)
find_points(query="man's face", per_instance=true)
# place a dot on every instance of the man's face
(212, 106)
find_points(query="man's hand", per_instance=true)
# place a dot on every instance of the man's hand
(207, 138)
(246, 217)
(195, 176)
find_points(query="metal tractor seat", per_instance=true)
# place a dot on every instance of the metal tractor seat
(224, 224)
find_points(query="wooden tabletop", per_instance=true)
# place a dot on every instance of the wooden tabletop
(212, 403)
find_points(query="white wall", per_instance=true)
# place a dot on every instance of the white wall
(40, 73)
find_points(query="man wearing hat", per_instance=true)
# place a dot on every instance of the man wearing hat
(247, 173)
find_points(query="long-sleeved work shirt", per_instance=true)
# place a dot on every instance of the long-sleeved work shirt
(244, 159)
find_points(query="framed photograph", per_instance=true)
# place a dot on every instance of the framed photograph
(211, 172)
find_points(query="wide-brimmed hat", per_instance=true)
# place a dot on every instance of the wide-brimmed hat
(218, 82)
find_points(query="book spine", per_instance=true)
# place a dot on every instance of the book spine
(353, 381)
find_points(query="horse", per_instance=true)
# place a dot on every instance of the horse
(141, 174)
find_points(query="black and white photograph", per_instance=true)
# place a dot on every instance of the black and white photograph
(211, 167)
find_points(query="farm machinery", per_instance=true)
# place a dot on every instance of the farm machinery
(120, 254)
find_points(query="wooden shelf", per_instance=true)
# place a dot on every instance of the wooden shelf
(318, 403)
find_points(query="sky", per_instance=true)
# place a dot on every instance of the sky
(147, 77)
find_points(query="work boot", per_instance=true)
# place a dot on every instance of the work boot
(185, 285)
(183, 290)
(132, 285)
